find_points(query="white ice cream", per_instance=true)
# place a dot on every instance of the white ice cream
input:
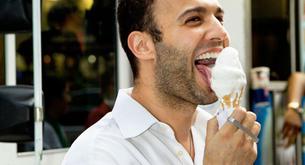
(228, 75)
(228, 78)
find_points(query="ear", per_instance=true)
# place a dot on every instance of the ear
(141, 45)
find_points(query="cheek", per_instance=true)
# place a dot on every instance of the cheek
(185, 38)
(190, 41)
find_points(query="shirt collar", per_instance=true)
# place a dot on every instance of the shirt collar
(211, 108)
(132, 118)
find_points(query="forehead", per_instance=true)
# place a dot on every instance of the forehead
(177, 7)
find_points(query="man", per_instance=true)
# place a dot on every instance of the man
(156, 122)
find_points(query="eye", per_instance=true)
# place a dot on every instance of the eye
(220, 19)
(195, 20)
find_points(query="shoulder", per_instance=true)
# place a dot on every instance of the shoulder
(101, 143)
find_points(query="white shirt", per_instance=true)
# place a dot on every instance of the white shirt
(212, 108)
(130, 135)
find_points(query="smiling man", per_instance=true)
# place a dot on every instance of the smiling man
(171, 46)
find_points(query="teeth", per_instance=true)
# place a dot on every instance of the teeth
(207, 56)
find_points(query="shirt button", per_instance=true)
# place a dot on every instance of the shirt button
(179, 153)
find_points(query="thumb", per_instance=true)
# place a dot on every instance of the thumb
(212, 128)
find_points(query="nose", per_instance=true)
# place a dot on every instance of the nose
(217, 32)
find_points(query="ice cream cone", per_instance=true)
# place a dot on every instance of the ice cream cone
(236, 102)
(226, 101)
(228, 81)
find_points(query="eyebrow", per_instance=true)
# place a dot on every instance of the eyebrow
(199, 9)
(220, 10)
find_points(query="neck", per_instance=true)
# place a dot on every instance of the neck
(177, 113)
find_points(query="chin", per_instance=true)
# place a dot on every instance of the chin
(210, 97)
(214, 99)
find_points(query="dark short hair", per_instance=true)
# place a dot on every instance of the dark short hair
(136, 15)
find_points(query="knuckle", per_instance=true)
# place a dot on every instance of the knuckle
(240, 114)
(241, 109)
(249, 148)
(251, 115)
(241, 142)
(258, 125)
(225, 134)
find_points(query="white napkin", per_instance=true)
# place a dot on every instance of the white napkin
(222, 116)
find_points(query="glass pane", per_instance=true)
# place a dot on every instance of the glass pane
(270, 37)
(1, 60)
(78, 66)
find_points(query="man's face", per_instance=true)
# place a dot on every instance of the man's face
(192, 38)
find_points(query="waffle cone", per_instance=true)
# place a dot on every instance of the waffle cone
(228, 103)
(238, 96)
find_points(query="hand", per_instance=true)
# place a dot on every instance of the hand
(292, 126)
(230, 145)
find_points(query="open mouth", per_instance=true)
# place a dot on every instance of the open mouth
(206, 59)
(204, 63)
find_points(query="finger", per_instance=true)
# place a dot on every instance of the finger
(239, 115)
(292, 135)
(248, 123)
(239, 135)
(286, 129)
(292, 139)
(212, 128)
(290, 132)
(256, 129)
(251, 135)
(297, 130)
(249, 120)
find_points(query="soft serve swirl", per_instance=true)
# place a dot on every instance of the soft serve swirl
(228, 76)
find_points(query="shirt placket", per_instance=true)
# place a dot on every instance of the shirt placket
(179, 151)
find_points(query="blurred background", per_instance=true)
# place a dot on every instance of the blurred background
(83, 67)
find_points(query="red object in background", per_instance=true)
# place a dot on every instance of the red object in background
(97, 113)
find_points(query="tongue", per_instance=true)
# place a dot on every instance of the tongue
(205, 73)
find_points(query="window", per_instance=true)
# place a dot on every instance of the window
(270, 37)
(1, 60)
(78, 66)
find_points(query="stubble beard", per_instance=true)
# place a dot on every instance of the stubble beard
(176, 82)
